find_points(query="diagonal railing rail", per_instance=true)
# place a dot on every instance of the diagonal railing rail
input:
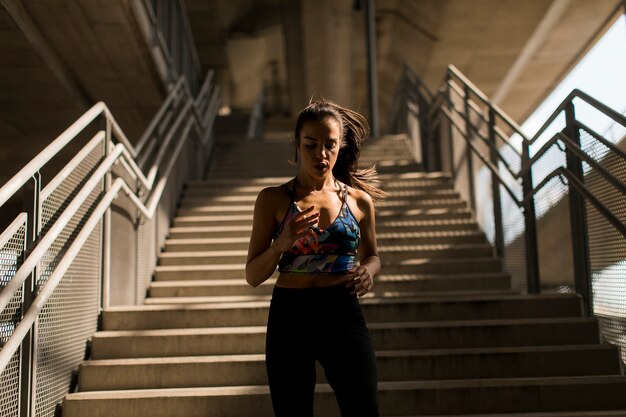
(552, 204)
(88, 238)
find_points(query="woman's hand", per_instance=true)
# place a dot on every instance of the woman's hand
(360, 280)
(298, 226)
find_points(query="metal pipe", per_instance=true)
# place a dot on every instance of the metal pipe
(46, 241)
(370, 25)
(530, 225)
(495, 189)
(578, 215)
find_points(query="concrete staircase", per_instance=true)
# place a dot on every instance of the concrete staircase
(451, 337)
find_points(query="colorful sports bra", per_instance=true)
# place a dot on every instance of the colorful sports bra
(329, 251)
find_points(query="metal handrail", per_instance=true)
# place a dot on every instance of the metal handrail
(455, 83)
(50, 151)
(256, 117)
(12, 229)
(123, 152)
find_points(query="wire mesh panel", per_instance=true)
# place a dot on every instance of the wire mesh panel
(69, 317)
(607, 246)
(66, 322)
(11, 257)
(123, 245)
(554, 238)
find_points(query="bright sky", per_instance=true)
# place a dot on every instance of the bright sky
(601, 74)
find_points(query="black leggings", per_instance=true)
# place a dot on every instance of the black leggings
(326, 325)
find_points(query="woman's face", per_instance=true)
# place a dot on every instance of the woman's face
(319, 146)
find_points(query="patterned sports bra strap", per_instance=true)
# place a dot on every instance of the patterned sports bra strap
(344, 194)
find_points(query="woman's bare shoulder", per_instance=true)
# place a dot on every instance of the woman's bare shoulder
(360, 196)
(274, 197)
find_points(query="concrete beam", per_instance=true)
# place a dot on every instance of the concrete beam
(534, 43)
(46, 52)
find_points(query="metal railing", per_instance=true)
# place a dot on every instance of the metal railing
(88, 238)
(552, 205)
(166, 28)
(257, 118)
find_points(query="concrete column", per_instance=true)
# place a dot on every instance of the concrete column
(327, 40)
(294, 51)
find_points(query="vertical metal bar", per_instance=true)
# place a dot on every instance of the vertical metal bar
(422, 114)
(495, 188)
(468, 150)
(28, 348)
(370, 25)
(530, 224)
(450, 139)
(578, 215)
(106, 227)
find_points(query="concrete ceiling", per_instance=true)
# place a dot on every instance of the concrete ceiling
(58, 59)
(92, 50)
(483, 38)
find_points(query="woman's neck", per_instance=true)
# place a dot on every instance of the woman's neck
(316, 184)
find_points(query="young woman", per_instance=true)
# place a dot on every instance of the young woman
(313, 228)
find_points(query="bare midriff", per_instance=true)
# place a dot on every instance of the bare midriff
(287, 280)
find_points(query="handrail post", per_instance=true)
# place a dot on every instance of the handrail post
(578, 214)
(495, 188)
(468, 149)
(530, 224)
(448, 100)
(28, 364)
(106, 228)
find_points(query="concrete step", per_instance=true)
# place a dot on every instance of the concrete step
(238, 182)
(418, 184)
(208, 288)
(218, 200)
(415, 198)
(442, 266)
(204, 257)
(200, 272)
(209, 232)
(403, 365)
(213, 220)
(206, 244)
(445, 193)
(397, 253)
(413, 204)
(407, 266)
(395, 398)
(224, 210)
(434, 238)
(385, 336)
(424, 214)
(407, 226)
(423, 308)
(401, 283)
(215, 299)
(415, 176)
(387, 215)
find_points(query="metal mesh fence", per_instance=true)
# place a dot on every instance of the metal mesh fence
(123, 244)
(607, 246)
(11, 257)
(69, 317)
(66, 322)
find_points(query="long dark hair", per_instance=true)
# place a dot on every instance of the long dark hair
(354, 130)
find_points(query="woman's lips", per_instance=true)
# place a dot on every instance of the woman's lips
(321, 167)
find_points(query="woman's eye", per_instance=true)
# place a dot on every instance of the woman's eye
(330, 145)
(311, 146)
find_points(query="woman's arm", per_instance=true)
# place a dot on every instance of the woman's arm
(362, 278)
(263, 254)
